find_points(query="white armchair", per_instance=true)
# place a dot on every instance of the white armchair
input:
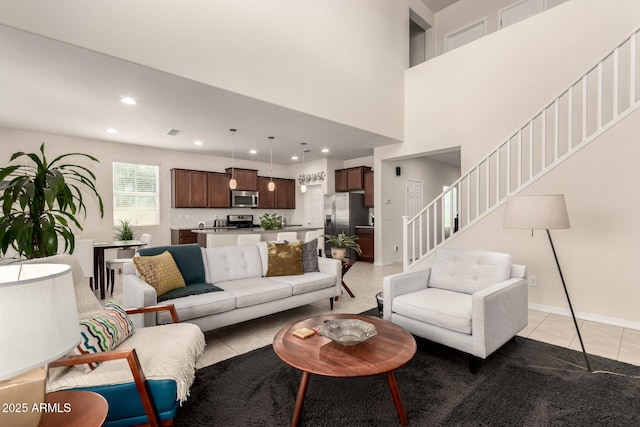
(473, 301)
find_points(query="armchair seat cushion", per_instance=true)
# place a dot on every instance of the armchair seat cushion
(165, 352)
(447, 309)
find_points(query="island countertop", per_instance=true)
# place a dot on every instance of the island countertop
(235, 231)
(215, 237)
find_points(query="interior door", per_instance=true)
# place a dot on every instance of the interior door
(314, 206)
(520, 11)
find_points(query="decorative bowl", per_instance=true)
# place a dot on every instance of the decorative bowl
(348, 331)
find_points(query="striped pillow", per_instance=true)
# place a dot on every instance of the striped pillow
(103, 331)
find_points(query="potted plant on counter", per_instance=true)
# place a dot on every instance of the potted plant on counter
(341, 243)
(270, 222)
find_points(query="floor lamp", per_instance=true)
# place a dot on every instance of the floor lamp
(546, 212)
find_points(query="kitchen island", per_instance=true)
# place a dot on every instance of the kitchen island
(224, 236)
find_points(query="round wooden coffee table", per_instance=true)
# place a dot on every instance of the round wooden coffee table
(390, 349)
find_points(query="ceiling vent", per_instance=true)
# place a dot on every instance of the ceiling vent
(172, 132)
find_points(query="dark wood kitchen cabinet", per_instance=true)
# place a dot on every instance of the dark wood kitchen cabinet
(285, 194)
(341, 180)
(266, 198)
(351, 179)
(355, 177)
(188, 188)
(368, 189)
(246, 179)
(218, 193)
(365, 239)
(183, 237)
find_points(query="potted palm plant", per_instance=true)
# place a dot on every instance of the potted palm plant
(41, 202)
(341, 243)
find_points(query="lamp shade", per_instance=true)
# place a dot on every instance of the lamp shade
(38, 311)
(544, 212)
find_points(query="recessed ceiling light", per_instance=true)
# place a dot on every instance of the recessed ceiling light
(112, 130)
(197, 142)
(128, 101)
(325, 150)
(253, 152)
(294, 157)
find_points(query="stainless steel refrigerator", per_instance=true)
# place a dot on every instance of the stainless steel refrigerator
(342, 212)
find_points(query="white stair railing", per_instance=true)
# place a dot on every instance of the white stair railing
(600, 98)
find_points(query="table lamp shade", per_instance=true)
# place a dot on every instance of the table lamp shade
(38, 314)
(544, 212)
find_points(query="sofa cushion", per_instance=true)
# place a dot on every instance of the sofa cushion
(308, 282)
(284, 259)
(256, 290)
(310, 256)
(467, 270)
(194, 289)
(102, 331)
(160, 271)
(194, 306)
(232, 263)
(264, 254)
(447, 309)
(188, 258)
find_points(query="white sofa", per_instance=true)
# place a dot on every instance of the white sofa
(474, 301)
(239, 272)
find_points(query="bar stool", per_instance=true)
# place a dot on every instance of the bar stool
(287, 235)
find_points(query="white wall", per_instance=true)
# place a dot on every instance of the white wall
(433, 175)
(599, 252)
(339, 60)
(477, 95)
(108, 152)
(466, 12)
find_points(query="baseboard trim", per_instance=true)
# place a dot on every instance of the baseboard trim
(613, 321)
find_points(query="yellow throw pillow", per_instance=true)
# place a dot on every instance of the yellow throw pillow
(160, 271)
(285, 259)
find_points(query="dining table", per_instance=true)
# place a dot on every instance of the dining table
(98, 258)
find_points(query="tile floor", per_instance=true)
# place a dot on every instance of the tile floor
(365, 280)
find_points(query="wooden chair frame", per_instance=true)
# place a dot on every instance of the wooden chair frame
(134, 365)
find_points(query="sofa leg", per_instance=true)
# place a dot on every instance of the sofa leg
(331, 303)
(474, 364)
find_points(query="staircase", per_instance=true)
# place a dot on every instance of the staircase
(588, 107)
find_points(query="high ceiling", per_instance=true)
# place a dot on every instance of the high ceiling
(51, 87)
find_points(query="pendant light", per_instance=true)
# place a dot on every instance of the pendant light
(232, 182)
(272, 185)
(303, 187)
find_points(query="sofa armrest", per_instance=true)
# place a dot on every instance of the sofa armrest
(138, 293)
(400, 284)
(333, 267)
(499, 312)
(136, 371)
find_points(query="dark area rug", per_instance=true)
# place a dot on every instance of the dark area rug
(525, 383)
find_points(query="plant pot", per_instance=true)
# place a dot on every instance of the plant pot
(338, 253)
(126, 253)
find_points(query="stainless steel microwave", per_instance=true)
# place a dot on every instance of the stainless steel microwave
(244, 199)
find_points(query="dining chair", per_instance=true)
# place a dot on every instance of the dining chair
(248, 239)
(117, 263)
(287, 235)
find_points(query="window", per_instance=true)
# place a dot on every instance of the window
(136, 193)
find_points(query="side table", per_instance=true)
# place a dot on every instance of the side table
(346, 266)
(74, 408)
